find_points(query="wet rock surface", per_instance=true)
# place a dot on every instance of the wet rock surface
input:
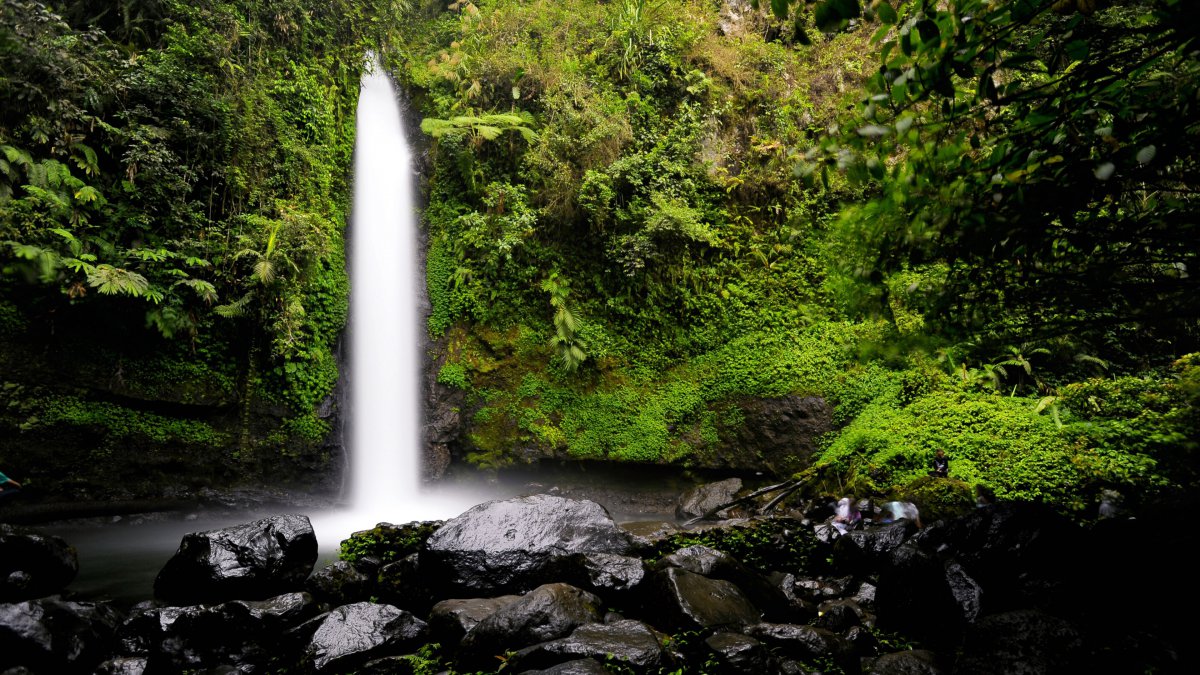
(252, 561)
(33, 565)
(507, 545)
(883, 598)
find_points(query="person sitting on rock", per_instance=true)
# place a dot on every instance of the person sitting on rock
(941, 465)
(8, 487)
(846, 515)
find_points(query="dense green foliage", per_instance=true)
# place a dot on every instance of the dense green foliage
(967, 225)
(934, 305)
(173, 189)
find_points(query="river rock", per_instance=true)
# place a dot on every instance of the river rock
(339, 583)
(57, 636)
(738, 653)
(806, 643)
(507, 545)
(914, 596)
(450, 620)
(125, 665)
(253, 561)
(1021, 554)
(362, 631)
(205, 636)
(33, 565)
(546, 613)
(777, 434)
(839, 615)
(864, 550)
(608, 575)
(704, 498)
(688, 601)
(623, 642)
(714, 564)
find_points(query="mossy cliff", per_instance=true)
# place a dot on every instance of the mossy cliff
(700, 234)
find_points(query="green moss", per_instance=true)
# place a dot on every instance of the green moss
(112, 422)
(387, 542)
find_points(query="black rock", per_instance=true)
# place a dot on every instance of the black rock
(56, 636)
(624, 642)
(450, 620)
(1023, 641)
(703, 498)
(253, 561)
(806, 643)
(546, 613)
(339, 583)
(359, 632)
(739, 653)
(33, 565)
(579, 667)
(688, 601)
(505, 546)
(911, 662)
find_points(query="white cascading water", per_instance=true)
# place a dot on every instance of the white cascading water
(385, 416)
(384, 409)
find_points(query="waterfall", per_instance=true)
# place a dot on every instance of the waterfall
(383, 436)
(385, 409)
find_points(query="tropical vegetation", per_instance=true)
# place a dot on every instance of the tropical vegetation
(967, 225)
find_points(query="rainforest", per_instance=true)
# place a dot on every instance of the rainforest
(647, 228)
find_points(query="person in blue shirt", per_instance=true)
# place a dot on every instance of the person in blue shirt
(8, 487)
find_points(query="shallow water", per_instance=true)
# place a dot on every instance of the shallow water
(119, 557)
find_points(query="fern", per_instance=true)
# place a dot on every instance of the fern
(236, 308)
(111, 280)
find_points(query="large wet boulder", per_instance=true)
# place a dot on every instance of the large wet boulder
(704, 498)
(577, 667)
(625, 642)
(909, 662)
(56, 636)
(546, 613)
(915, 596)
(401, 583)
(684, 600)
(252, 561)
(33, 565)
(776, 434)
(507, 545)
(359, 632)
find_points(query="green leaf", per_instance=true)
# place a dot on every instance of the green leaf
(886, 14)
(779, 8)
